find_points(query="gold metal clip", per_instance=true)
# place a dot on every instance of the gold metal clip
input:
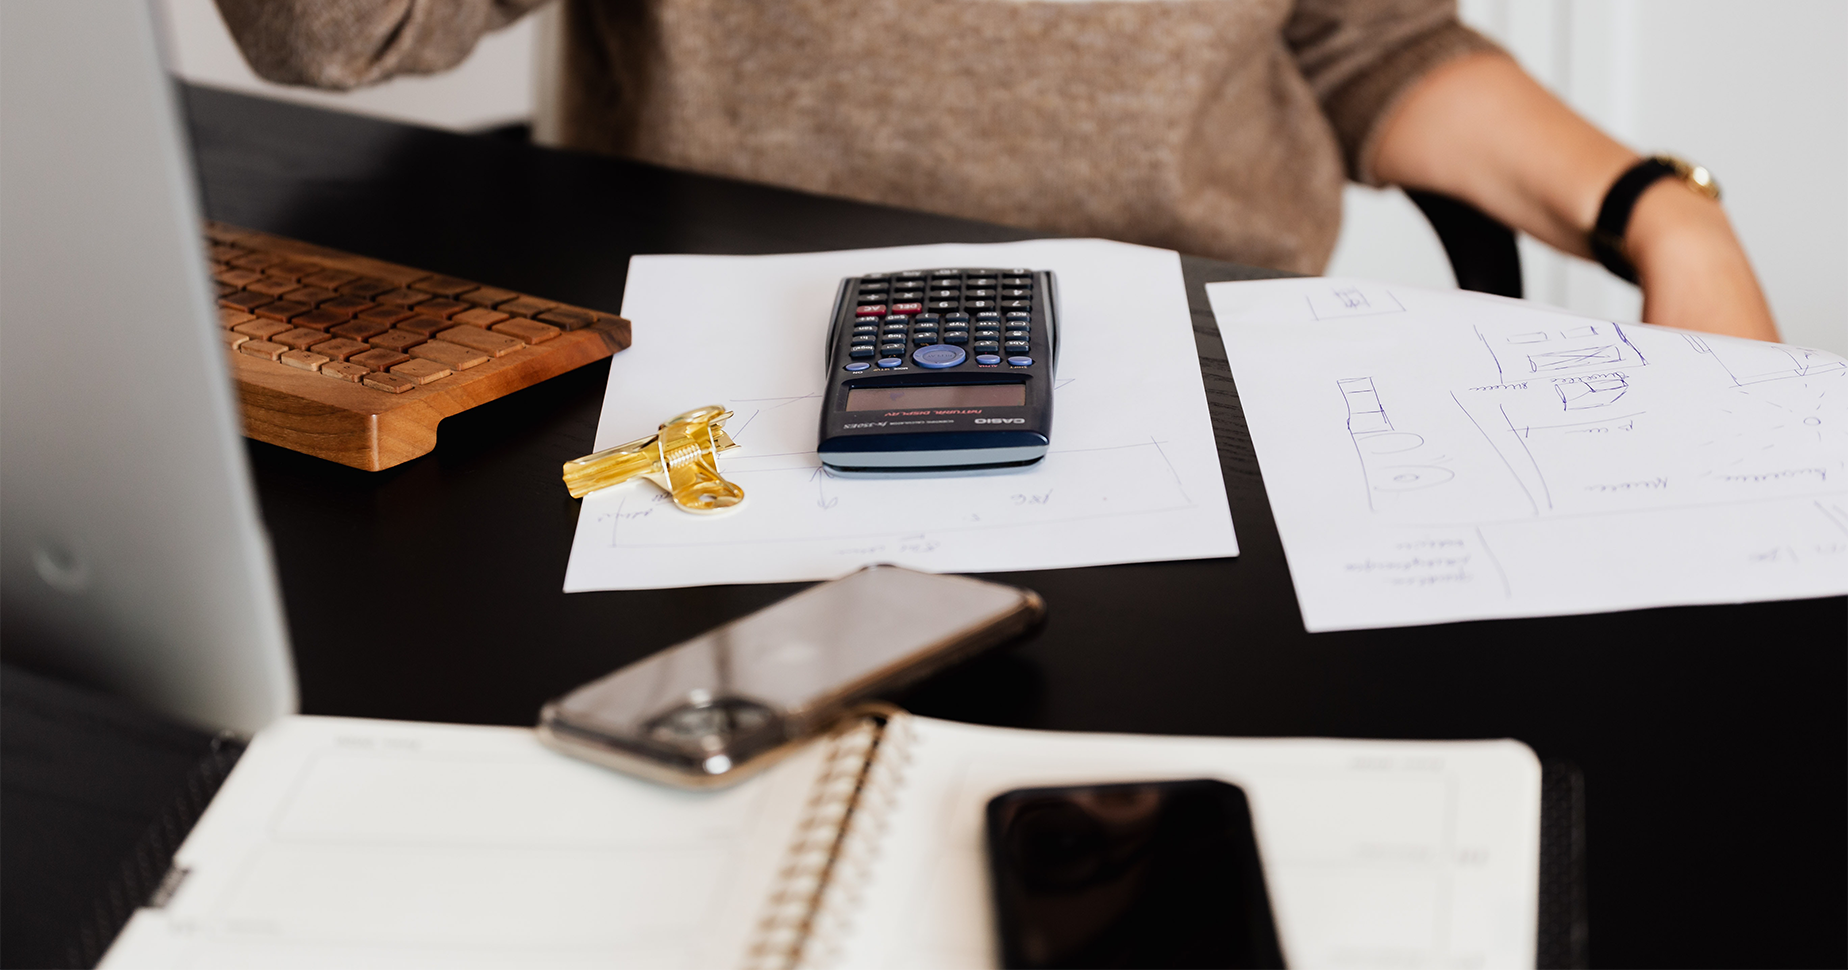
(682, 459)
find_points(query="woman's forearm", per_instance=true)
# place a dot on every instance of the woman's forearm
(1480, 129)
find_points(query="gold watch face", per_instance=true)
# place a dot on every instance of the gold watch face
(1694, 176)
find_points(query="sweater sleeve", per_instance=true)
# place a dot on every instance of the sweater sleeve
(1361, 57)
(344, 44)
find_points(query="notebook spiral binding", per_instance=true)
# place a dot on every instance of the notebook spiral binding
(830, 858)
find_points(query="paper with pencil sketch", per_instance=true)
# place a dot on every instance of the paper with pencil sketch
(1132, 476)
(1437, 456)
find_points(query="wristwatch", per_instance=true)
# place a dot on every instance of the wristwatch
(1620, 201)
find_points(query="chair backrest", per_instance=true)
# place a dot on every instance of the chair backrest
(1482, 251)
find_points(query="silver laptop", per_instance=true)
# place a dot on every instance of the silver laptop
(132, 557)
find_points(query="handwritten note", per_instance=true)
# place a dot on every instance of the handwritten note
(1132, 476)
(1438, 456)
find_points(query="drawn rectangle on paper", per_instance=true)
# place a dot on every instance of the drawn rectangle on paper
(1352, 300)
(1609, 355)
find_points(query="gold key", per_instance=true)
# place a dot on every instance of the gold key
(682, 458)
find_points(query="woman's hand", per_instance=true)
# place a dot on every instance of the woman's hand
(1479, 129)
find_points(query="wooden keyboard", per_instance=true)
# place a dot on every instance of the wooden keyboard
(356, 360)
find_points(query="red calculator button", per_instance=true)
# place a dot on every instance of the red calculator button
(907, 308)
(876, 310)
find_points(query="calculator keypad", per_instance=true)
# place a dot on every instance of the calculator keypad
(980, 318)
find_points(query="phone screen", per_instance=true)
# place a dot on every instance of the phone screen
(1153, 874)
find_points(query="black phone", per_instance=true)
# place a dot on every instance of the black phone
(940, 372)
(1147, 874)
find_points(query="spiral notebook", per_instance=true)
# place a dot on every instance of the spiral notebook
(347, 842)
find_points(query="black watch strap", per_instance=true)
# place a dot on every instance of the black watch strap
(1614, 214)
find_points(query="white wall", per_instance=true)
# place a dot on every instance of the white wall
(1758, 92)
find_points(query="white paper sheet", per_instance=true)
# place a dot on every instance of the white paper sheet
(341, 842)
(1132, 476)
(1376, 853)
(1438, 456)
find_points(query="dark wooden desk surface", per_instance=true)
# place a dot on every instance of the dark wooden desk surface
(1713, 740)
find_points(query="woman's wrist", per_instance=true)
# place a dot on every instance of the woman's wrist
(1693, 272)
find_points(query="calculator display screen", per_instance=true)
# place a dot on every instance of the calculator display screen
(937, 396)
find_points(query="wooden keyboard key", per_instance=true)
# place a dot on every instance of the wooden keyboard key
(262, 329)
(301, 338)
(398, 340)
(237, 277)
(330, 278)
(304, 359)
(390, 383)
(361, 329)
(400, 297)
(480, 317)
(233, 338)
(311, 294)
(475, 338)
(281, 309)
(222, 289)
(293, 269)
(386, 315)
(340, 348)
(530, 331)
(526, 306)
(262, 348)
(568, 319)
(255, 260)
(344, 370)
(441, 307)
(378, 359)
(453, 356)
(271, 286)
(444, 285)
(349, 305)
(424, 326)
(421, 371)
(231, 318)
(244, 300)
(487, 296)
(225, 252)
(366, 287)
(319, 319)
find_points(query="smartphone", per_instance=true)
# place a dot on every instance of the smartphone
(1144, 874)
(714, 710)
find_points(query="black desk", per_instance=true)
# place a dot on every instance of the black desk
(1712, 739)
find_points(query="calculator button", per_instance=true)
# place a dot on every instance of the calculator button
(907, 308)
(915, 274)
(942, 306)
(985, 346)
(945, 294)
(974, 294)
(988, 316)
(1017, 347)
(874, 286)
(947, 272)
(928, 318)
(956, 337)
(956, 318)
(1016, 281)
(1021, 361)
(1021, 315)
(891, 361)
(869, 299)
(992, 332)
(876, 310)
(923, 338)
(978, 304)
(1016, 304)
(858, 366)
(990, 359)
(875, 277)
(938, 357)
(979, 281)
(860, 352)
(1016, 294)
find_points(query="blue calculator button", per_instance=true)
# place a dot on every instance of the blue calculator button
(937, 356)
(988, 358)
(891, 361)
(858, 365)
(1020, 361)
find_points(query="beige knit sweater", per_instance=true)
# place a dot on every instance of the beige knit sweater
(1219, 127)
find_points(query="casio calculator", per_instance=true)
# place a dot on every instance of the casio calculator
(940, 372)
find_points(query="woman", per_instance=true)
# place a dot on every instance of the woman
(1219, 127)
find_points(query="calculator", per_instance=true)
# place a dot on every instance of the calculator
(940, 372)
